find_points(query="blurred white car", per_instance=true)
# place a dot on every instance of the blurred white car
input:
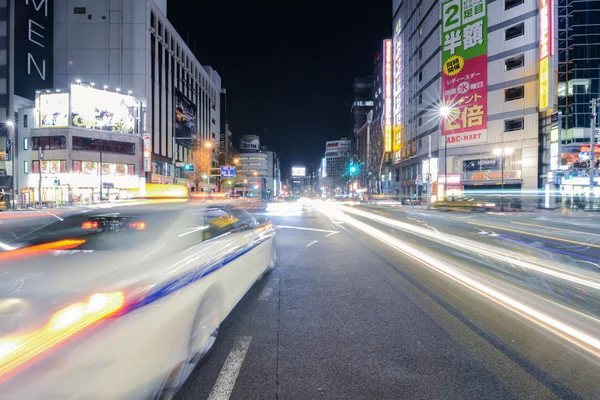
(123, 305)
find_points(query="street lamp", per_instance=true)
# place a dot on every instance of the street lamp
(255, 173)
(503, 153)
(236, 161)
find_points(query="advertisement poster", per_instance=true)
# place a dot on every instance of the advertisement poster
(185, 116)
(387, 95)
(102, 110)
(464, 71)
(54, 110)
(546, 52)
(299, 171)
(398, 71)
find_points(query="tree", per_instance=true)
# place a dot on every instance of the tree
(201, 160)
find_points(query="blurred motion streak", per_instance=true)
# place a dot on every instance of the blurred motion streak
(17, 351)
(535, 234)
(66, 244)
(556, 270)
(573, 335)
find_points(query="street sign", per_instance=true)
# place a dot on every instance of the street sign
(179, 164)
(227, 171)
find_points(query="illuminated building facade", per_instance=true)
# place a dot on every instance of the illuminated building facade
(443, 58)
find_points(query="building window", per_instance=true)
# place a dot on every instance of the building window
(514, 93)
(508, 4)
(49, 142)
(420, 76)
(25, 143)
(420, 98)
(420, 144)
(79, 10)
(420, 121)
(514, 124)
(50, 166)
(420, 30)
(25, 167)
(420, 8)
(397, 175)
(420, 53)
(514, 31)
(25, 121)
(515, 62)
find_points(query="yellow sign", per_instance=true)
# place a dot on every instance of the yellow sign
(388, 139)
(397, 138)
(454, 65)
(544, 83)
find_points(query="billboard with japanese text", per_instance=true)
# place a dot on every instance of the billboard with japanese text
(387, 95)
(397, 84)
(102, 110)
(464, 71)
(546, 53)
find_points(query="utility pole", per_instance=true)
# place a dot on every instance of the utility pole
(592, 153)
(40, 158)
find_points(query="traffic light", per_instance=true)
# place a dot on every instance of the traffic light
(352, 169)
(189, 168)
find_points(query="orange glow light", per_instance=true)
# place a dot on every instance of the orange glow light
(40, 248)
(19, 351)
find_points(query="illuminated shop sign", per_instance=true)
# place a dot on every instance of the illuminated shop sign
(546, 52)
(387, 95)
(53, 109)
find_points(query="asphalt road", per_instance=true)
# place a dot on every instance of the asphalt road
(385, 304)
(16, 224)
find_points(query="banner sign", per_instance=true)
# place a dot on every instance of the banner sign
(185, 116)
(464, 71)
(387, 95)
(147, 153)
(481, 164)
(102, 110)
(546, 53)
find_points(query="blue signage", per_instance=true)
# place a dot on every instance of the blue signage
(228, 171)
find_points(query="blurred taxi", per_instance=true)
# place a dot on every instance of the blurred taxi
(123, 303)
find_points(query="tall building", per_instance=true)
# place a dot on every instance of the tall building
(337, 154)
(253, 168)
(463, 108)
(578, 83)
(129, 53)
(137, 50)
(362, 103)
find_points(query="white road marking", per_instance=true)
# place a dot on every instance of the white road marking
(55, 216)
(264, 295)
(311, 243)
(331, 234)
(305, 229)
(229, 373)
(6, 247)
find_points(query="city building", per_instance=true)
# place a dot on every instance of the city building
(578, 40)
(363, 102)
(465, 112)
(253, 167)
(332, 178)
(273, 175)
(373, 175)
(137, 51)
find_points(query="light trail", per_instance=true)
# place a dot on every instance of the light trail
(559, 328)
(556, 271)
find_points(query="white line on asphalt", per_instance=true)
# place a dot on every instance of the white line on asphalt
(6, 247)
(311, 243)
(55, 216)
(305, 229)
(229, 373)
(264, 295)
(331, 234)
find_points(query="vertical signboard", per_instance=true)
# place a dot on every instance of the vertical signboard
(464, 71)
(555, 141)
(387, 95)
(33, 46)
(185, 116)
(147, 153)
(397, 99)
(546, 53)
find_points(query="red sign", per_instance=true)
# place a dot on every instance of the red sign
(466, 92)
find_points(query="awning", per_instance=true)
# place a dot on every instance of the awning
(5, 182)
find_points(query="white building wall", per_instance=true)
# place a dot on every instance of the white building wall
(111, 45)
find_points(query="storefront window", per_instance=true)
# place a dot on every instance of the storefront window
(91, 167)
(50, 166)
(108, 146)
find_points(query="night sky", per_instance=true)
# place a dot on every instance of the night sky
(288, 66)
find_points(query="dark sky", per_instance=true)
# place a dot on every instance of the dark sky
(287, 66)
